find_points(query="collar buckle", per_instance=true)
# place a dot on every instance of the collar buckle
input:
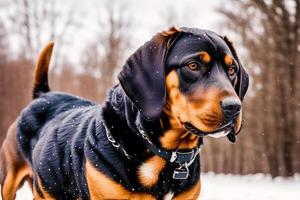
(185, 156)
(182, 172)
(182, 157)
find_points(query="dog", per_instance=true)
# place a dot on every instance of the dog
(144, 142)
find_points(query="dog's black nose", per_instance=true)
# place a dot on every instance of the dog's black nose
(231, 108)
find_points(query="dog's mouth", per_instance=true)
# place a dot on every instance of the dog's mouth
(224, 130)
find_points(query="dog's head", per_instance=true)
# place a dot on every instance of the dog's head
(192, 75)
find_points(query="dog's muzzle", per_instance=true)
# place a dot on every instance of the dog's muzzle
(225, 129)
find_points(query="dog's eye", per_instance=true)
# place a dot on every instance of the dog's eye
(193, 66)
(231, 71)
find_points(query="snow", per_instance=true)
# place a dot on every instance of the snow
(234, 187)
(249, 187)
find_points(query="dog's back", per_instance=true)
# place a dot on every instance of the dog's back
(14, 170)
(35, 131)
(40, 113)
(22, 136)
(48, 131)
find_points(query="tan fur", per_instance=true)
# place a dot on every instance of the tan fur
(205, 57)
(176, 102)
(149, 171)
(13, 167)
(43, 63)
(238, 122)
(228, 60)
(170, 31)
(45, 194)
(102, 187)
(201, 108)
(180, 139)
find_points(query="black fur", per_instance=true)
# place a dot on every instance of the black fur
(243, 81)
(143, 76)
(58, 132)
(211, 74)
(40, 89)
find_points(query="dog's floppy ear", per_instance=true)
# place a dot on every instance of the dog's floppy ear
(243, 77)
(143, 75)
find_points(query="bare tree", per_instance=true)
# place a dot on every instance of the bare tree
(271, 38)
(31, 23)
(4, 47)
(3, 64)
(36, 22)
(107, 56)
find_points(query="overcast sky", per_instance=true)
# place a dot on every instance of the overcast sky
(147, 17)
(150, 16)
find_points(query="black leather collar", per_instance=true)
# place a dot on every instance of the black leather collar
(183, 158)
(169, 155)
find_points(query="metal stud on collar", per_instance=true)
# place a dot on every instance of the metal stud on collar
(144, 134)
(181, 172)
(173, 156)
(114, 142)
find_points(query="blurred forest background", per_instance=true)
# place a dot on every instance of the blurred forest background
(266, 33)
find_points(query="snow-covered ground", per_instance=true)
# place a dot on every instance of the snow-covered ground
(249, 187)
(232, 187)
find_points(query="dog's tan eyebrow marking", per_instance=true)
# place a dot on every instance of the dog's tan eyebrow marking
(205, 57)
(228, 60)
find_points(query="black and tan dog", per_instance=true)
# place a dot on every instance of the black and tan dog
(143, 143)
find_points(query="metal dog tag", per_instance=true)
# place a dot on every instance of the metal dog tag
(181, 173)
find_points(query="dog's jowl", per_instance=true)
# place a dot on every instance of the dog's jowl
(143, 143)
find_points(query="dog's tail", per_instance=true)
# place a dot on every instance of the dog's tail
(41, 72)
